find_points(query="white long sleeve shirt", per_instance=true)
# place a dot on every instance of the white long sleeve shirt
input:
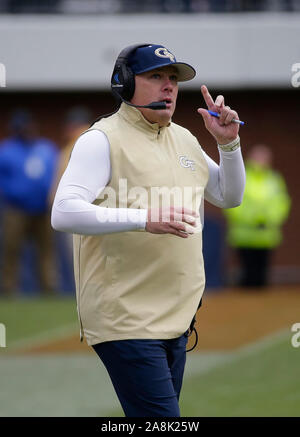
(89, 171)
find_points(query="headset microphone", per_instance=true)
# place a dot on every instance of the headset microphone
(152, 105)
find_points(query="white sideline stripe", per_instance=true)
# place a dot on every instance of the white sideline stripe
(51, 334)
(56, 394)
(267, 341)
(55, 386)
(204, 362)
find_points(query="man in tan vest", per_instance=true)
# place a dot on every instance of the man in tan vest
(132, 196)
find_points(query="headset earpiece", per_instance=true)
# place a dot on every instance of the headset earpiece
(129, 82)
(123, 83)
(122, 80)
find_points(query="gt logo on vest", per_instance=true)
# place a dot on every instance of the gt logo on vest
(187, 163)
(164, 53)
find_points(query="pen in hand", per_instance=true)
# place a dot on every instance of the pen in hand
(216, 114)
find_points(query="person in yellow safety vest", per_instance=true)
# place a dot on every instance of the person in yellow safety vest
(254, 227)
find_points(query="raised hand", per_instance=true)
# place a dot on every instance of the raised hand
(222, 128)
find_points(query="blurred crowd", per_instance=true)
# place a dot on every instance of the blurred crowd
(146, 6)
(31, 167)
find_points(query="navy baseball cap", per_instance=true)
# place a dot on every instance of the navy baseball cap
(156, 56)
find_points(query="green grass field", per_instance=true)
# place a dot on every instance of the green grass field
(262, 382)
(260, 379)
(31, 317)
(253, 381)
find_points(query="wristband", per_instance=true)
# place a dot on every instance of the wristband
(230, 147)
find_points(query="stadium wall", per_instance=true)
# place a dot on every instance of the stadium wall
(247, 50)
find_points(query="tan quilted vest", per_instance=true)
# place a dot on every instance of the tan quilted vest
(138, 285)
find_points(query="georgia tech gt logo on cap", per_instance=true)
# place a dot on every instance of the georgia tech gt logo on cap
(162, 52)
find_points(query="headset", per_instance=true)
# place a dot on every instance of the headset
(123, 82)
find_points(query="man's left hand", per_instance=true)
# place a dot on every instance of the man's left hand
(221, 128)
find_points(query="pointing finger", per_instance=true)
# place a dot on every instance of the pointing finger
(207, 97)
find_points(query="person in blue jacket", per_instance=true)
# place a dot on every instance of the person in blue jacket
(27, 167)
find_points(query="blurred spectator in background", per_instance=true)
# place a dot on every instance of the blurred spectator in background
(77, 120)
(27, 165)
(254, 226)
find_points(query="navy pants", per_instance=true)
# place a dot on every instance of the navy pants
(146, 374)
